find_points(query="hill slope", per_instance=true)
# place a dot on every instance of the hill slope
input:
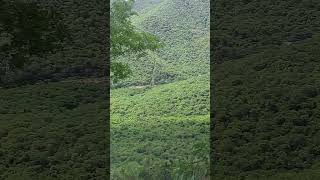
(53, 131)
(82, 54)
(57, 130)
(167, 124)
(162, 131)
(266, 89)
(183, 27)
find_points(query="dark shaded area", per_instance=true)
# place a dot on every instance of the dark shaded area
(53, 91)
(244, 27)
(54, 131)
(52, 41)
(265, 74)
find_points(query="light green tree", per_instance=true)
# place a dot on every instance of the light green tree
(125, 38)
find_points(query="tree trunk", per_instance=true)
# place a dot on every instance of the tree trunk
(153, 75)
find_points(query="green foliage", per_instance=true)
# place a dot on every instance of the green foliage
(183, 27)
(53, 131)
(81, 53)
(159, 124)
(171, 130)
(266, 89)
(126, 38)
(120, 71)
(144, 5)
(26, 29)
(244, 27)
(310, 174)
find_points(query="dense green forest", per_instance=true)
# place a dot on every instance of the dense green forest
(265, 99)
(78, 34)
(53, 131)
(160, 131)
(160, 114)
(183, 28)
(53, 108)
(266, 89)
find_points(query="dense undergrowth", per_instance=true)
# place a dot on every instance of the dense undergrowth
(161, 132)
(266, 89)
(53, 131)
(183, 28)
(81, 53)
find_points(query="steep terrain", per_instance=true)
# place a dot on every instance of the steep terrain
(144, 5)
(58, 130)
(53, 131)
(167, 124)
(162, 131)
(266, 80)
(82, 53)
(183, 27)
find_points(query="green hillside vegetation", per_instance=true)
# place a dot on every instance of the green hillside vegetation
(266, 81)
(53, 127)
(160, 114)
(244, 27)
(53, 131)
(80, 53)
(144, 5)
(161, 129)
(183, 27)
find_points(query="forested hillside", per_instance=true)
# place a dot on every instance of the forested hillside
(266, 89)
(160, 114)
(143, 5)
(79, 54)
(53, 130)
(160, 131)
(183, 27)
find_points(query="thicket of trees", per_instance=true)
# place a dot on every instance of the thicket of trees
(243, 27)
(183, 28)
(53, 130)
(266, 89)
(27, 30)
(51, 41)
(161, 133)
(126, 38)
(58, 130)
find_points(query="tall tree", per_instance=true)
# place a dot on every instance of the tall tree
(126, 38)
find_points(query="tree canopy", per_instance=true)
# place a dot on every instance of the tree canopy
(26, 30)
(126, 38)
